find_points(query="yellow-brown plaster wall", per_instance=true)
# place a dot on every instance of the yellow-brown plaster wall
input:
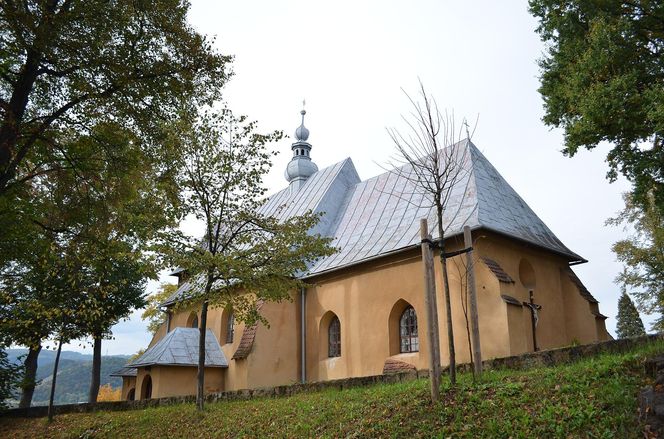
(547, 290)
(177, 380)
(363, 298)
(367, 297)
(128, 383)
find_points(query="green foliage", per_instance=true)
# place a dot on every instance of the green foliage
(10, 374)
(602, 81)
(245, 255)
(153, 313)
(643, 255)
(595, 397)
(629, 322)
(243, 250)
(72, 65)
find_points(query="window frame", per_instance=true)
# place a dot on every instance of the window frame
(334, 338)
(409, 340)
(230, 328)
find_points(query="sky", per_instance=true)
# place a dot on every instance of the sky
(352, 62)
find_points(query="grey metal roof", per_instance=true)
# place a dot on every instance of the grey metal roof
(125, 372)
(180, 348)
(380, 215)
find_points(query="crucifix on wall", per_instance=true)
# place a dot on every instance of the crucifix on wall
(534, 317)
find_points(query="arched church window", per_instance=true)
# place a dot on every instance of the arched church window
(334, 338)
(194, 322)
(146, 388)
(230, 331)
(408, 331)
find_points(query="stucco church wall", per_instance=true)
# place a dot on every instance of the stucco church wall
(275, 357)
(494, 335)
(128, 383)
(547, 289)
(365, 296)
(177, 381)
(581, 323)
(362, 298)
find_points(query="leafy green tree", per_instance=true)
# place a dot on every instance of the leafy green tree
(245, 255)
(602, 81)
(629, 323)
(153, 312)
(31, 291)
(10, 375)
(72, 64)
(642, 253)
(97, 221)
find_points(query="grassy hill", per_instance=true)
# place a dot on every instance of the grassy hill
(595, 397)
(74, 373)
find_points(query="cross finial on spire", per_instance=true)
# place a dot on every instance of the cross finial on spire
(465, 122)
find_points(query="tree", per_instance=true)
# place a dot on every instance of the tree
(244, 255)
(601, 81)
(29, 301)
(629, 322)
(10, 375)
(153, 312)
(96, 222)
(463, 269)
(430, 156)
(108, 393)
(69, 65)
(642, 254)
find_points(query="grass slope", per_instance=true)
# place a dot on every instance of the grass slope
(596, 397)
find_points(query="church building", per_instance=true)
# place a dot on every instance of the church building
(364, 313)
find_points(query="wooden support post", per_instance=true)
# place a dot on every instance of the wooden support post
(474, 318)
(431, 310)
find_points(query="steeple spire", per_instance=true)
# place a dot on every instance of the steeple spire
(300, 168)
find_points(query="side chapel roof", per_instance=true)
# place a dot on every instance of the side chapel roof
(180, 348)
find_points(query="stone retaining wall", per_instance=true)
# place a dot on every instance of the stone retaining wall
(533, 359)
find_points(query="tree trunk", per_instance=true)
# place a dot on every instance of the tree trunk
(446, 287)
(55, 376)
(96, 370)
(18, 102)
(28, 387)
(200, 393)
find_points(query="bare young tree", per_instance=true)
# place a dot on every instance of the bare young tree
(432, 157)
(462, 272)
(463, 269)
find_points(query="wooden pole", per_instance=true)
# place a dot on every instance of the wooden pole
(474, 318)
(432, 314)
(51, 409)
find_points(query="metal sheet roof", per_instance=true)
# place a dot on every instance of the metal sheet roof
(380, 215)
(180, 348)
(125, 372)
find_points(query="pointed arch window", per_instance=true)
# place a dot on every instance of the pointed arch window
(408, 331)
(230, 331)
(334, 338)
(194, 322)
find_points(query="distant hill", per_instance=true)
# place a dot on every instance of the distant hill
(74, 373)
